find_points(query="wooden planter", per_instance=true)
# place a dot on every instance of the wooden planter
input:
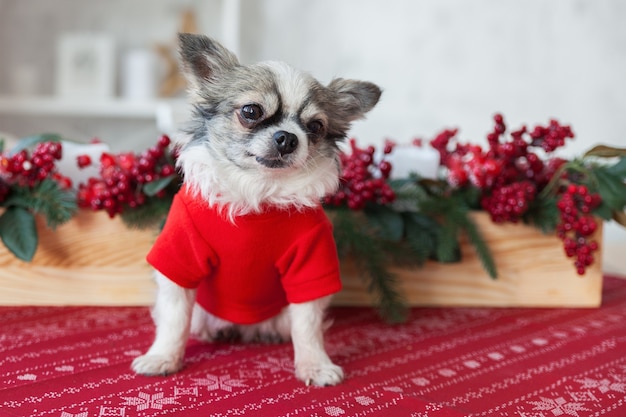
(93, 260)
(533, 271)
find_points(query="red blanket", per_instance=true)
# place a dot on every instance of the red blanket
(74, 362)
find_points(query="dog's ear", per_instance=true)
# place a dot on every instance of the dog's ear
(203, 58)
(354, 98)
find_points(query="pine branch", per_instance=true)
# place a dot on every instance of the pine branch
(421, 236)
(355, 238)
(151, 214)
(543, 214)
(46, 199)
(481, 247)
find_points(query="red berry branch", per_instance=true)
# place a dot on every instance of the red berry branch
(517, 170)
(26, 169)
(123, 176)
(363, 179)
(509, 172)
(577, 224)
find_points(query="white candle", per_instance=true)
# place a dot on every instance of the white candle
(411, 159)
(68, 164)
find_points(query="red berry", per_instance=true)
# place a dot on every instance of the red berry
(83, 161)
(164, 141)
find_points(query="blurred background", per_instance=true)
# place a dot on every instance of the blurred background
(88, 68)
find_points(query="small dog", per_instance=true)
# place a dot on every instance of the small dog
(247, 250)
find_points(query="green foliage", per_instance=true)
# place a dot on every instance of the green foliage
(451, 207)
(47, 199)
(149, 215)
(481, 247)
(154, 187)
(421, 235)
(19, 232)
(424, 223)
(17, 224)
(154, 211)
(388, 223)
(356, 237)
(611, 187)
(543, 214)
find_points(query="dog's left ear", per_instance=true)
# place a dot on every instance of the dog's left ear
(204, 59)
(354, 98)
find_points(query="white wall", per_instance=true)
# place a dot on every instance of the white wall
(442, 63)
(455, 63)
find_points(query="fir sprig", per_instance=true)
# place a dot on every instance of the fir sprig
(149, 215)
(17, 224)
(48, 199)
(357, 238)
(452, 208)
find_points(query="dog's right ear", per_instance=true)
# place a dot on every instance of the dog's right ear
(203, 58)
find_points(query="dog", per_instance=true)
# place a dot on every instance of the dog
(246, 250)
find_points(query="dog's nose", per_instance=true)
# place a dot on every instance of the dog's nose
(285, 142)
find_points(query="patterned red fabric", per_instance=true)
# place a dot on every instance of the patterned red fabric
(74, 362)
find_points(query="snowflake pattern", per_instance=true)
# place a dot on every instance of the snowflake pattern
(145, 401)
(221, 382)
(559, 406)
(603, 385)
(274, 364)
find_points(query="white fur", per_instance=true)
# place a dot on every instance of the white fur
(240, 192)
(172, 315)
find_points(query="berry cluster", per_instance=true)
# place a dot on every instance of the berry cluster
(122, 178)
(28, 170)
(509, 202)
(577, 224)
(509, 172)
(363, 179)
(551, 137)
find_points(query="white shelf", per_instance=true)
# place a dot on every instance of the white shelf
(166, 112)
(55, 106)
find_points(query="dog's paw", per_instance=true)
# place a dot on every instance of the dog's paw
(319, 374)
(152, 365)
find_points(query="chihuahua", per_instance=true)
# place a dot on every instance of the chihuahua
(247, 250)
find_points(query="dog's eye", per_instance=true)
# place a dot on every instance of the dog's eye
(251, 112)
(315, 127)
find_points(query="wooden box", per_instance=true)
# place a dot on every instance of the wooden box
(533, 271)
(91, 260)
(94, 260)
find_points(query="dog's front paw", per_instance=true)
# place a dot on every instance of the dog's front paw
(321, 375)
(151, 364)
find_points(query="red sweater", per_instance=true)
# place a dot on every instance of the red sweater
(248, 271)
